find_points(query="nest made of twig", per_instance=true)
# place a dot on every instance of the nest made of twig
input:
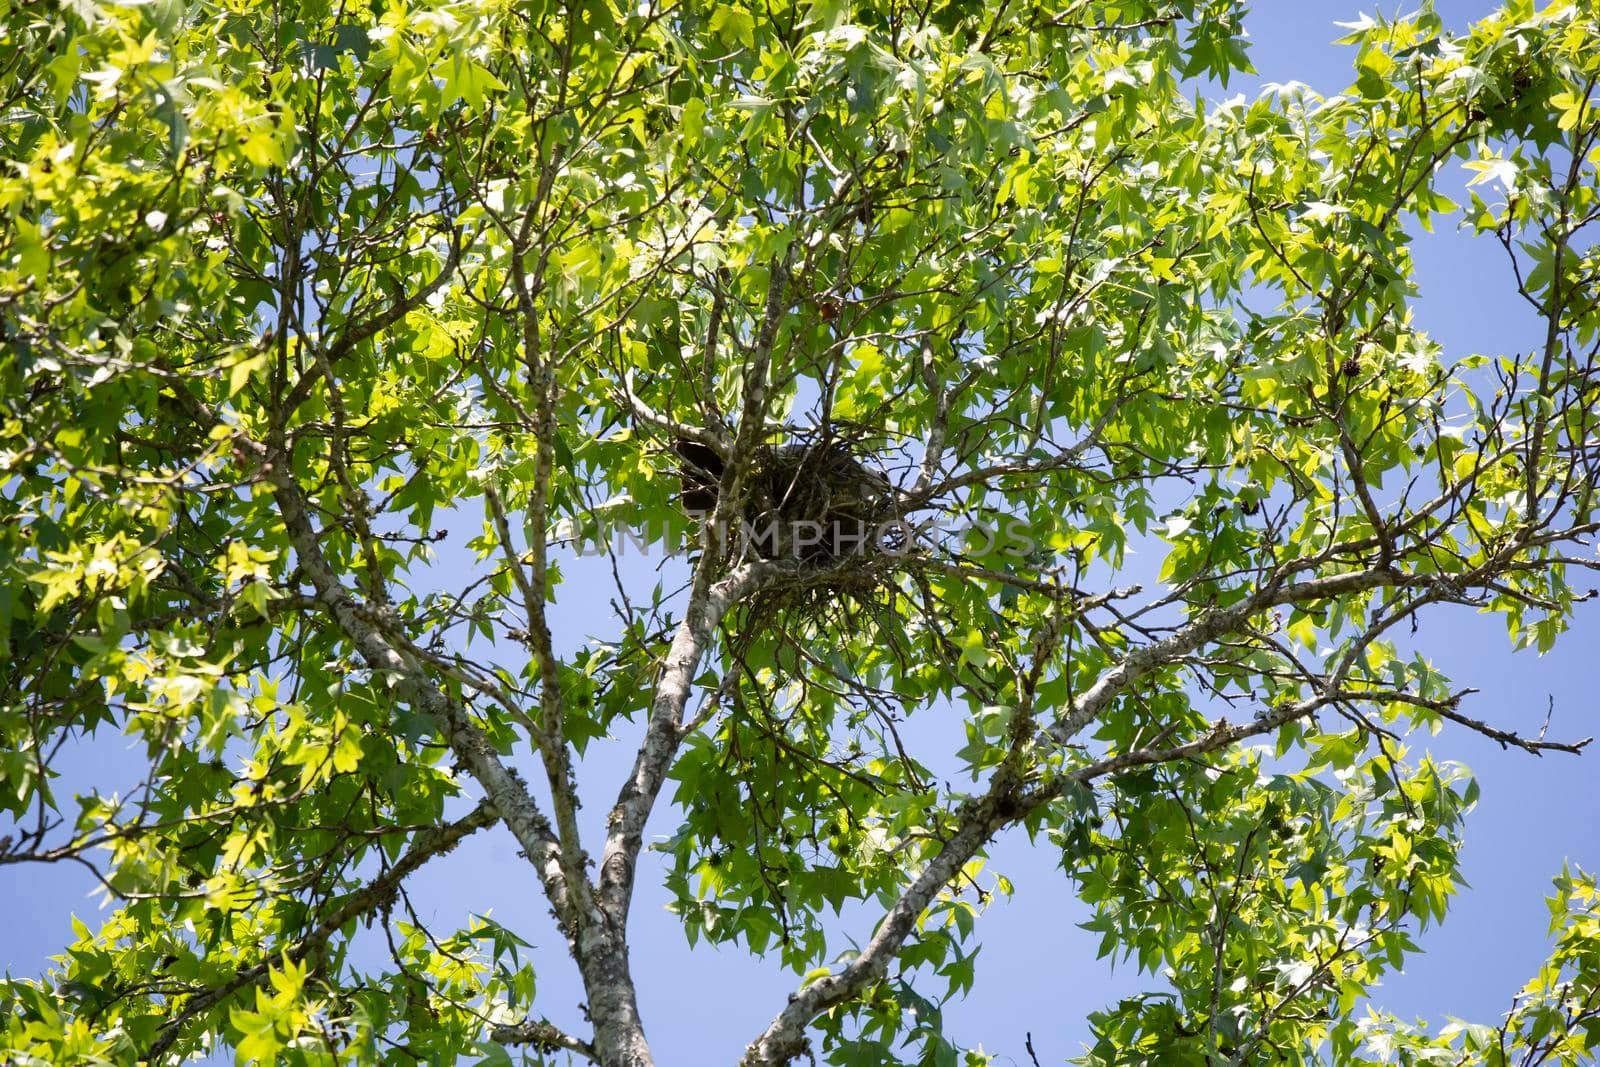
(813, 502)
(821, 503)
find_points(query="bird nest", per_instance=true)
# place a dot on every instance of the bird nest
(821, 505)
(813, 502)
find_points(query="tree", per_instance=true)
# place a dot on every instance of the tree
(288, 288)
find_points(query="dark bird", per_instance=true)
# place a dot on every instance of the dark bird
(699, 473)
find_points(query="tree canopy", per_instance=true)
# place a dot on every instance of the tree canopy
(289, 290)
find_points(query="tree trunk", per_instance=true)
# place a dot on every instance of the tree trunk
(613, 1006)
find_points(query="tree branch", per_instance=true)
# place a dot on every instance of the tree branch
(427, 845)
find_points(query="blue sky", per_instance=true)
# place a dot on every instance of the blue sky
(1037, 971)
